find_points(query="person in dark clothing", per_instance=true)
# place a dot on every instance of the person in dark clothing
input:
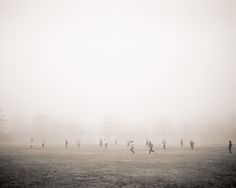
(230, 146)
(181, 142)
(191, 144)
(31, 142)
(150, 146)
(164, 144)
(66, 144)
(43, 144)
(106, 144)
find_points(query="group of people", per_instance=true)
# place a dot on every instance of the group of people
(149, 145)
(43, 143)
(130, 144)
(105, 143)
(191, 143)
(67, 143)
(32, 143)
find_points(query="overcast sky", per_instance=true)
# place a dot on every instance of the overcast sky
(131, 60)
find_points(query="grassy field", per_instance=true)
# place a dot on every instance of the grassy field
(116, 167)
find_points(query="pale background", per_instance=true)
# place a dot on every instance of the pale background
(118, 69)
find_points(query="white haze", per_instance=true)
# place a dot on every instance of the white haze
(118, 69)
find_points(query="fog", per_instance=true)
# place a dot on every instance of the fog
(84, 70)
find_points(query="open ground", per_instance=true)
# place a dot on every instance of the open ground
(91, 166)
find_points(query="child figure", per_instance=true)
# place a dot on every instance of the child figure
(132, 148)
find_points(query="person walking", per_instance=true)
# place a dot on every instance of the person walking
(230, 146)
(132, 148)
(150, 145)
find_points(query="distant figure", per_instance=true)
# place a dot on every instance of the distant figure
(128, 143)
(132, 148)
(43, 144)
(230, 146)
(78, 144)
(66, 144)
(150, 146)
(106, 144)
(147, 143)
(101, 142)
(164, 144)
(191, 144)
(181, 142)
(115, 142)
(31, 142)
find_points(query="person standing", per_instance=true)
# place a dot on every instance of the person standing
(66, 144)
(164, 144)
(31, 142)
(230, 146)
(106, 144)
(191, 144)
(78, 144)
(181, 142)
(43, 144)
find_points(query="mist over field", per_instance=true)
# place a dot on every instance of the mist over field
(117, 93)
(84, 70)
